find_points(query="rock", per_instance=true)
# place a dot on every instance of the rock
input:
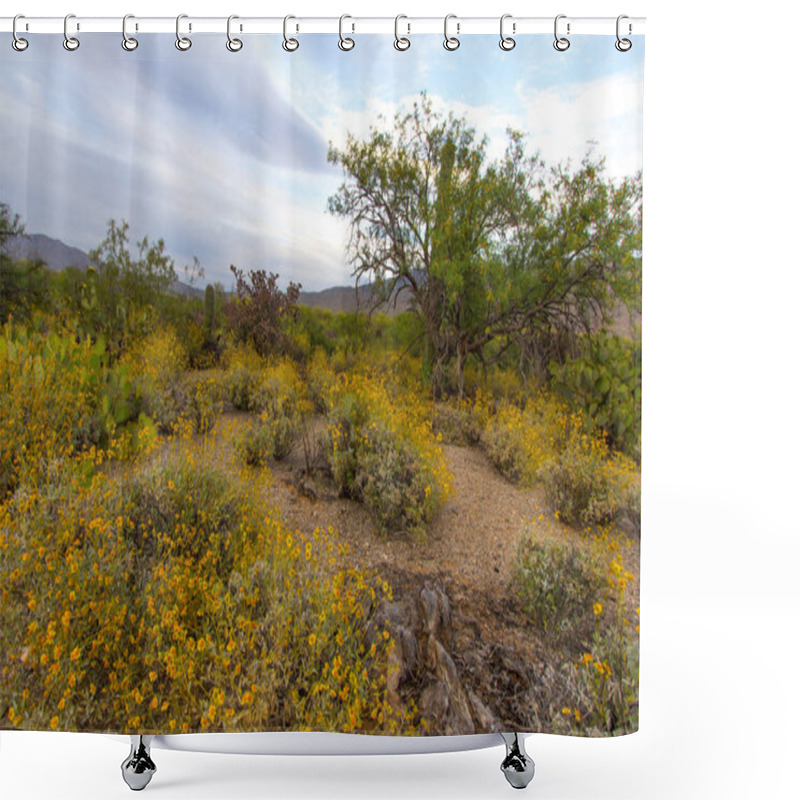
(484, 719)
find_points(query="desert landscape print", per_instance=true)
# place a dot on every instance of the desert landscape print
(320, 408)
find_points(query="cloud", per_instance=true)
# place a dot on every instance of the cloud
(225, 156)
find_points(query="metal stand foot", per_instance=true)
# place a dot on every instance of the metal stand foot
(138, 768)
(518, 766)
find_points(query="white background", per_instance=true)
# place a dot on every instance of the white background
(720, 603)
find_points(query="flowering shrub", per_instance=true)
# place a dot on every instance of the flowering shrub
(268, 438)
(603, 683)
(157, 364)
(520, 440)
(320, 377)
(588, 484)
(204, 403)
(457, 423)
(172, 598)
(557, 583)
(383, 453)
(57, 397)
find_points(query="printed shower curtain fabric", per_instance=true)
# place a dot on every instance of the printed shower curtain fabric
(320, 385)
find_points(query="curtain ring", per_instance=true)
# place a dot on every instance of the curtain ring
(234, 45)
(345, 42)
(128, 42)
(506, 42)
(561, 43)
(181, 42)
(18, 43)
(289, 45)
(400, 42)
(451, 42)
(70, 42)
(623, 45)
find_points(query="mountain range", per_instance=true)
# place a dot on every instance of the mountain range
(58, 255)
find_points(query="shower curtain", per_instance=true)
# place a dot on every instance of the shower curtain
(320, 383)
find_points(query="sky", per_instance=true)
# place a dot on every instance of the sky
(224, 155)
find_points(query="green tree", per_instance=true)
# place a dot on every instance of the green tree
(504, 252)
(23, 282)
(123, 293)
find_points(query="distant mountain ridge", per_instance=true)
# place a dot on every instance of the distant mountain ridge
(59, 256)
(53, 252)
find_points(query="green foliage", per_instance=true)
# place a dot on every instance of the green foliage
(57, 397)
(123, 293)
(557, 583)
(170, 597)
(607, 384)
(587, 484)
(504, 251)
(382, 453)
(521, 440)
(204, 403)
(270, 437)
(210, 312)
(157, 363)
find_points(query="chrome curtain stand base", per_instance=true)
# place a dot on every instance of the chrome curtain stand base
(517, 766)
(138, 768)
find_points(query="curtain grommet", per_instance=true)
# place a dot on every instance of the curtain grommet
(17, 42)
(289, 44)
(70, 43)
(623, 45)
(345, 42)
(507, 43)
(451, 43)
(129, 43)
(561, 43)
(183, 43)
(233, 44)
(401, 43)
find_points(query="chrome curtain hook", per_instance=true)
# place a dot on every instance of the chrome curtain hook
(70, 42)
(234, 45)
(289, 45)
(507, 42)
(401, 42)
(128, 42)
(561, 43)
(345, 43)
(623, 45)
(451, 42)
(18, 43)
(181, 42)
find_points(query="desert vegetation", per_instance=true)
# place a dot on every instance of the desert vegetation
(221, 510)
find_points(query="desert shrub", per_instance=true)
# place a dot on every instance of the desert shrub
(204, 403)
(588, 484)
(280, 390)
(241, 387)
(135, 440)
(456, 422)
(268, 438)
(607, 384)
(520, 440)
(320, 377)
(57, 397)
(557, 583)
(602, 685)
(383, 453)
(255, 444)
(157, 363)
(173, 599)
(259, 316)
